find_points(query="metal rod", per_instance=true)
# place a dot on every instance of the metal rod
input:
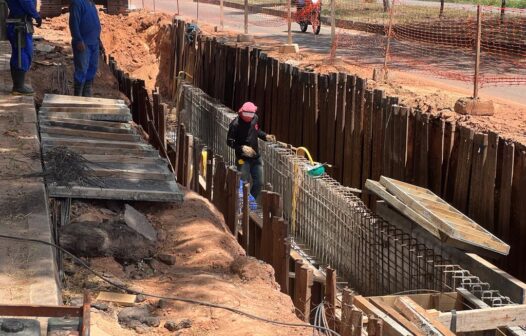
(246, 17)
(333, 21)
(197, 4)
(221, 15)
(477, 53)
(389, 33)
(289, 22)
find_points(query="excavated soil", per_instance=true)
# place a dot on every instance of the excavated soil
(141, 45)
(209, 266)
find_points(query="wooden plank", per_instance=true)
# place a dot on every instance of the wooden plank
(486, 318)
(397, 317)
(396, 156)
(79, 126)
(476, 184)
(49, 140)
(391, 327)
(421, 168)
(503, 188)
(55, 98)
(409, 174)
(377, 139)
(463, 168)
(122, 117)
(323, 87)
(518, 216)
(451, 146)
(481, 238)
(245, 217)
(302, 290)
(339, 144)
(87, 122)
(123, 158)
(109, 151)
(331, 119)
(118, 298)
(367, 141)
(330, 297)
(174, 195)
(436, 154)
(380, 190)
(350, 92)
(420, 317)
(474, 301)
(357, 133)
(346, 320)
(88, 134)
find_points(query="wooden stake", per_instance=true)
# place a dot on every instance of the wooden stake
(330, 297)
(357, 322)
(289, 22)
(246, 18)
(346, 323)
(246, 216)
(302, 290)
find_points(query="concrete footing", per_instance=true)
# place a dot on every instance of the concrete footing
(475, 106)
(289, 48)
(245, 38)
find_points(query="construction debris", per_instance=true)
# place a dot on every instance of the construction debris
(118, 298)
(137, 221)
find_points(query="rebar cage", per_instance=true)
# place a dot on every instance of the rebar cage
(333, 225)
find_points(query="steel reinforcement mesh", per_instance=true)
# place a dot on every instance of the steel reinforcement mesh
(333, 225)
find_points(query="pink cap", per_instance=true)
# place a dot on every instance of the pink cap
(248, 107)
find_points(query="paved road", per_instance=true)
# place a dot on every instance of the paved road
(275, 28)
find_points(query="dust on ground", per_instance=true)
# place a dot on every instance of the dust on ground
(209, 266)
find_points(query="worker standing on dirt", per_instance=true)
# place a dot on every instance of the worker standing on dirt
(20, 35)
(243, 134)
(85, 28)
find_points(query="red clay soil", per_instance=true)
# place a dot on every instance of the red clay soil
(210, 266)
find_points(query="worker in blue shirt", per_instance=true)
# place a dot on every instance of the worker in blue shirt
(20, 35)
(85, 28)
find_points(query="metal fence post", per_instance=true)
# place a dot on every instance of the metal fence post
(333, 21)
(221, 15)
(389, 32)
(289, 22)
(477, 53)
(246, 17)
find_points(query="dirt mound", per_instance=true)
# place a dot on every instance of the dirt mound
(209, 266)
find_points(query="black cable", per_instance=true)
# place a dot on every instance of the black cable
(174, 298)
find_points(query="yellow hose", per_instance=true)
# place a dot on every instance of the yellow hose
(296, 184)
(304, 151)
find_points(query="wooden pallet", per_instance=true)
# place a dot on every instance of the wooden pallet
(125, 166)
(436, 216)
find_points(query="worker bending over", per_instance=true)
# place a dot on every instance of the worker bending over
(85, 28)
(243, 134)
(20, 35)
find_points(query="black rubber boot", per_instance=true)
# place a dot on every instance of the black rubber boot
(78, 88)
(19, 87)
(87, 91)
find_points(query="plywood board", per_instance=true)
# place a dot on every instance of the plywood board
(446, 218)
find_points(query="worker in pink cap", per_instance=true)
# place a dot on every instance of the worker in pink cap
(243, 134)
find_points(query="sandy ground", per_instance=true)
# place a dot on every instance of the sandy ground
(210, 266)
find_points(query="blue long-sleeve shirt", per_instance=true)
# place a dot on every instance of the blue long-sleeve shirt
(84, 22)
(19, 8)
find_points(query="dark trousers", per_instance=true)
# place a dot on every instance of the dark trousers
(252, 171)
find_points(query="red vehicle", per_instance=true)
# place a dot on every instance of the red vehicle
(308, 12)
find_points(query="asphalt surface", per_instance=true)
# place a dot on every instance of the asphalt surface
(272, 27)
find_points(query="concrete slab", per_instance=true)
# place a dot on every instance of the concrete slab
(28, 271)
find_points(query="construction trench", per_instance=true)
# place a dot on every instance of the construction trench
(344, 266)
